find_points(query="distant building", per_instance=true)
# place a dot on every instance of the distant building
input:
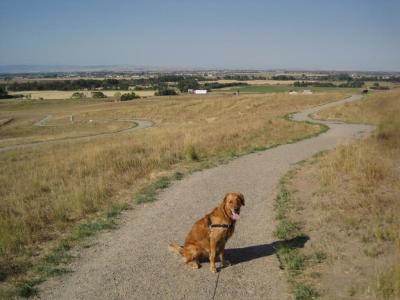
(307, 92)
(200, 92)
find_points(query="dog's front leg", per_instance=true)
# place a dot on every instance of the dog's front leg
(224, 262)
(222, 258)
(213, 246)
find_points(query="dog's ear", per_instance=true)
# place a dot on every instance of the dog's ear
(225, 198)
(241, 197)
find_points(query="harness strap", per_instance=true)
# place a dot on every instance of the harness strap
(211, 225)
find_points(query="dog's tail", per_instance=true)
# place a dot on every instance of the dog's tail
(175, 248)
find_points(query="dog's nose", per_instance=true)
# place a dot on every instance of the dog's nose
(237, 210)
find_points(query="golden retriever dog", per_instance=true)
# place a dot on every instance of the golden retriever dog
(208, 236)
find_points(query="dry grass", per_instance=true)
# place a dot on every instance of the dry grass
(47, 189)
(26, 113)
(375, 109)
(359, 197)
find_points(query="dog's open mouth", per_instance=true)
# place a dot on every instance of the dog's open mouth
(235, 215)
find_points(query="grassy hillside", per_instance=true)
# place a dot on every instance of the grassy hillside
(348, 201)
(46, 190)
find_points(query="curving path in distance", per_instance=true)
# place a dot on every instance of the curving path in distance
(140, 124)
(132, 262)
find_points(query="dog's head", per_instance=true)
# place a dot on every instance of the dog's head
(232, 204)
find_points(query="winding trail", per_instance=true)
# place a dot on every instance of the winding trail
(140, 124)
(132, 262)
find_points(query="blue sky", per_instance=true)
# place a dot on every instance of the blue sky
(341, 35)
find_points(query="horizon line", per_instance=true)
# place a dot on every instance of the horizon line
(108, 67)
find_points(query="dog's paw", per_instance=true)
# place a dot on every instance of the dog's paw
(194, 265)
(213, 269)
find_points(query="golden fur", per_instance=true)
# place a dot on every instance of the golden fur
(205, 242)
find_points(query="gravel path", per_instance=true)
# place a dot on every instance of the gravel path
(133, 262)
(141, 124)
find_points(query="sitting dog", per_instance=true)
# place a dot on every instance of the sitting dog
(208, 236)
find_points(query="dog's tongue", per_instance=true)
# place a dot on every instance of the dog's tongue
(235, 216)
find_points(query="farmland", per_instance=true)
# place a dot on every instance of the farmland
(286, 88)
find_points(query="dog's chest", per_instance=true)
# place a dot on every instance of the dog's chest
(224, 235)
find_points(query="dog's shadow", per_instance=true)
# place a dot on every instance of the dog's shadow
(239, 255)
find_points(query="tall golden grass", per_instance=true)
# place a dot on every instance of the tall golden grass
(364, 178)
(46, 189)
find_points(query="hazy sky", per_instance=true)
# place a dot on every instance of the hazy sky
(307, 34)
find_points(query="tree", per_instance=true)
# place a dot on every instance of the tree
(129, 96)
(165, 91)
(188, 83)
(97, 94)
(78, 95)
(3, 93)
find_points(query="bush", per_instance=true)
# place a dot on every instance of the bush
(98, 95)
(117, 96)
(128, 96)
(191, 153)
(78, 95)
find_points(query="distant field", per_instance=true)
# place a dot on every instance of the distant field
(48, 189)
(68, 94)
(257, 82)
(287, 88)
(86, 120)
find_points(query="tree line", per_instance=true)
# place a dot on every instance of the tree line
(242, 77)
(92, 84)
(5, 95)
(348, 84)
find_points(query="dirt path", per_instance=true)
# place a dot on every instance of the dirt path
(133, 262)
(43, 122)
(140, 124)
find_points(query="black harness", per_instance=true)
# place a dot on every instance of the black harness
(211, 225)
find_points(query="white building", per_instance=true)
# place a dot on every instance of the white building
(200, 92)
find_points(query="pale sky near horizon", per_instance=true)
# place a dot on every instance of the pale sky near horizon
(291, 34)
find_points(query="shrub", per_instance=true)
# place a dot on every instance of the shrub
(191, 153)
(128, 96)
(78, 95)
(117, 96)
(98, 94)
